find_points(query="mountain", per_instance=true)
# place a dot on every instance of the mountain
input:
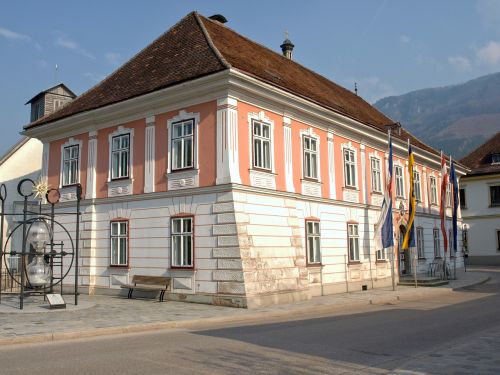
(455, 118)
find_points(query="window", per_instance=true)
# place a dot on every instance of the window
(349, 168)
(433, 183)
(313, 242)
(420, 243)
(461, 193)
(353, 242)
(182, 242)
(437, 245)
(376, 179)
(381, 254)
(495, 195)
(398, 173)
(120, 156)
(310, 148)
(261, 145)
(495, 159)
(70, 165)
(182, 144)
(416, 186)
(119, 243)
(448, 195)
(450, 242)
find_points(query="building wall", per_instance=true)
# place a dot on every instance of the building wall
(482, 219)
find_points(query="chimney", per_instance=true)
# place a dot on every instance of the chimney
(287, 47)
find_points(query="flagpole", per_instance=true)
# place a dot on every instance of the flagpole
(413, 250)
(392, 269)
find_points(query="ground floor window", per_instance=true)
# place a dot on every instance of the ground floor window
(182, 242)
(353, 242)
(420, 243)
(381, 254)
(119, 243)
(437, 245)
(313, 242)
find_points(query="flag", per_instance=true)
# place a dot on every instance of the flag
(409, 238)
(454, 186)
(384, 230)
(442, 208)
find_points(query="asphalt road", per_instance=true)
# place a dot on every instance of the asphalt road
(455, 334)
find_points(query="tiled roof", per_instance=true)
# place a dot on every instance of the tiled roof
(479, 160)
(197, 46)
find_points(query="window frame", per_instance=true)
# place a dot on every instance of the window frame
(120, 152)
(351, 166)
(307, 154)
(314, 222)
(182, 217)
(448, 194)
(433, 189)
(420, 243)
(402, 182)
(416, 185)
(262, 140)
(354, 237)
(183, 138)
(436, 240)
(494, 203)
(462, 198)
(72, 142)
(119, 236)
(376, 175)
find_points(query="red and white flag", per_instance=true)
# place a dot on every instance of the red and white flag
(442, 208)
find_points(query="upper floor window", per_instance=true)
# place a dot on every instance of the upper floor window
(463, 202)
(448, 195)
(353, 242)
(433, 183)
(349, 168)
(376, 175)
(420, 243)
(120, 156)
(182, 144)
(119, 243)
(261, 133)
(495, 195)
(182, 242)
(416, 186)
(495, 159)
(437, 244)
(71, 155)
(398, 173)
(313, 242)
(310, 147)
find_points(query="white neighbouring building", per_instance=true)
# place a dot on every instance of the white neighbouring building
(480, 202)
(245, 177)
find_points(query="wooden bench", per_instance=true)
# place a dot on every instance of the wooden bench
(148, 283)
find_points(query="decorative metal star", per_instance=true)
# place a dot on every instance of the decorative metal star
(41, 188)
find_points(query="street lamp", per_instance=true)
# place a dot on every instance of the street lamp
(38, 271)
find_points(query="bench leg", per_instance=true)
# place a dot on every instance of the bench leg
(130, 293)
(162, 294)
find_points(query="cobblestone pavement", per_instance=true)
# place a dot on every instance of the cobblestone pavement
(98, 315)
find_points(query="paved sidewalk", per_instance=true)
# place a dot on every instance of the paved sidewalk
(103, 315)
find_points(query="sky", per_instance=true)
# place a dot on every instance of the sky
(389, 47)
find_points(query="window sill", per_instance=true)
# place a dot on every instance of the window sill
(381, 261)
(119, 179)
(119, 267)
(262, 170)
(423, 259)
(352, 188)
(377, 193)
(314, 265)
(174, 268)
(354, 263)
(313, 180)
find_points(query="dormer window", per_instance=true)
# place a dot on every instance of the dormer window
(495, 159)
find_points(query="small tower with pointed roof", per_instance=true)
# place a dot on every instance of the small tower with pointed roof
(287, 47)
(50, 100)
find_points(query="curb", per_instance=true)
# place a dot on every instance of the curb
(297, 311)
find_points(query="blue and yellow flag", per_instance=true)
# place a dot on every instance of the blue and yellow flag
(409, 238)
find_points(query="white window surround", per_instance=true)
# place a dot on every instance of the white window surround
(311, 134)
(183, 178)
(121, 186)
(122, 131)
(260, 117)
(350, 147)
(71, 142)
(433, 192)
(399, 165)
(417, 185)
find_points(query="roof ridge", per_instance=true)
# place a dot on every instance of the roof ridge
(210, 41)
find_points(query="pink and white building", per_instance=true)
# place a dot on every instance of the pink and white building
(244, 176)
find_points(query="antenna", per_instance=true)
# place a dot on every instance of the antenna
(286, 34)
(356, 88)
(55, 75)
